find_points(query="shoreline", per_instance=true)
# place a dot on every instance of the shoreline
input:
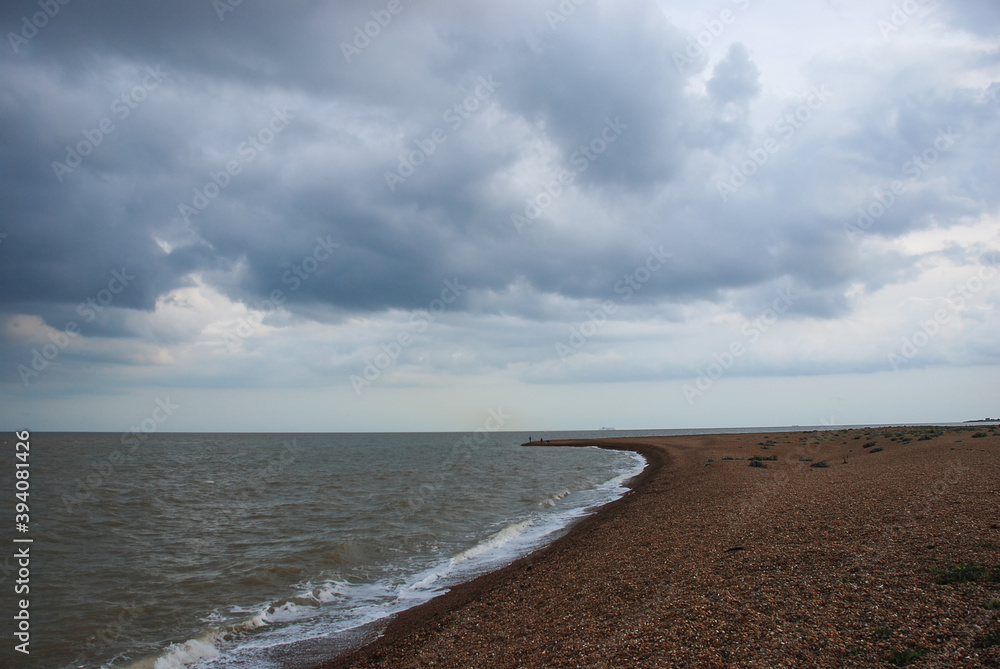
(386, 632)
(709, 562)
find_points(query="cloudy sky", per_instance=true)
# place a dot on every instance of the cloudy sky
(402, 214)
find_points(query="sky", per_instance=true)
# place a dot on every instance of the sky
(418, 215)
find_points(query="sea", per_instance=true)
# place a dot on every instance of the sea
(271, 550)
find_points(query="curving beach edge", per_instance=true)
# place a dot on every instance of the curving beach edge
(888, 555)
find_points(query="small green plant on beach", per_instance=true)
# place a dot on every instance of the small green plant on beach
(757, 463)
(985, 544)
(988, 640)
(854, 650)
(822, 464)
(729, 457)
(979, 435)
(882, 632)
(869, 444)
(993, 604)
(903, 656)
(875, 450)
(959, 573)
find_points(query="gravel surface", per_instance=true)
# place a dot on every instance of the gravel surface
(720, 564)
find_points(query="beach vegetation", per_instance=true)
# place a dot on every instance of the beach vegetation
(822, 464)
(882, 632)
(729, 457)
(903, 656)
(805, 459)
(985, 544)
(869, 444)
(979, 435)
(875, 450)
(757, 463)
(772, 458)
(993, 604)
(854, 650)
(959, 573)
(988, 640)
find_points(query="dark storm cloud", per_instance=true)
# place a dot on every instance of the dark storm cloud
(321, 180)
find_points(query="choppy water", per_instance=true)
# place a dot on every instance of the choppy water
(251, 550)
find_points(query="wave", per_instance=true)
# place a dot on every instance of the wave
(333, 607)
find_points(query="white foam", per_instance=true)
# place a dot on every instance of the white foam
(504, 536)
(178, 656)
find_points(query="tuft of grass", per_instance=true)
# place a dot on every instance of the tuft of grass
(868, 444)
(903, 656)
(988, 640)
(854, 650)
(875, 450)
(882, 632)
(757, 463)
(979, 435)
(772, 458)
(959, 573)
(729, 457)
(985, 544)
(822, 464)
(805, 459)
(993, 604)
